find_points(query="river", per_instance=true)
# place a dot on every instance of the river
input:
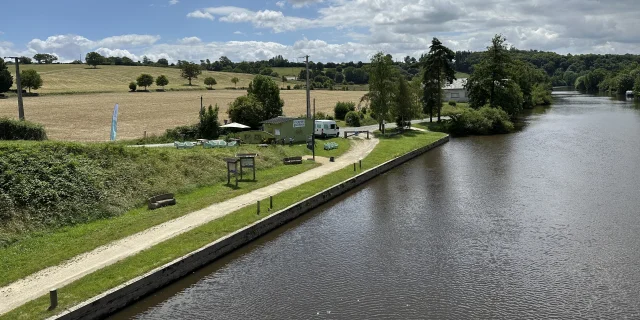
(543, 223)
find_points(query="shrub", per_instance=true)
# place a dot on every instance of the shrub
(288, 87)
(133, 86)
(342, 108)
(189, 132)
(209, 128)
(484, 121)
(452, 103)
(329, 117)
(210, 81)
(364, 110)
(321, 116)
(21, 130)
(162, 81)
(353, 119)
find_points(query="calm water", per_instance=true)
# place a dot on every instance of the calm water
(544, 223)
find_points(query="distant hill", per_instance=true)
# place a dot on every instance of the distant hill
(79, 78)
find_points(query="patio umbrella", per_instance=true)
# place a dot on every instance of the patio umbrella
(235, 125)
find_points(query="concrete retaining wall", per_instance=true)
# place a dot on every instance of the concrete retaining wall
(131, 291)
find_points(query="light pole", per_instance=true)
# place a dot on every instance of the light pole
(308, 92)
(19, 86)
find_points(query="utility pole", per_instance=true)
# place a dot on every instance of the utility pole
(309, 93)
(201, 105)
(313, 133)
(19, 86)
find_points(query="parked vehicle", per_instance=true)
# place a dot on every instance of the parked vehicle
(326, 128)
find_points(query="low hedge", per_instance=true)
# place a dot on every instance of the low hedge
(21, 130)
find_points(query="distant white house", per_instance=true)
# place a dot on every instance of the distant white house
(290, 78)
(456, 91)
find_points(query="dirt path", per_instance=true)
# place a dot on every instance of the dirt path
(39, 283)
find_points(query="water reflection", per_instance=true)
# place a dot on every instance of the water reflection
(539, 224)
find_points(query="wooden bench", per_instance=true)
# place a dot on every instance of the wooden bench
(292, 160)
(162, 200)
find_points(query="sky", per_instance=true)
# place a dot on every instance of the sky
(326, 30)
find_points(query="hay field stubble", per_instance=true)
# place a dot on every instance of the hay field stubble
(87, 117)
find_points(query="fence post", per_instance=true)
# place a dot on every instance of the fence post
(258, 211)
(53, 299)
(270, 202)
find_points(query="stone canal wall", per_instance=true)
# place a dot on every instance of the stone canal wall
(131, 291)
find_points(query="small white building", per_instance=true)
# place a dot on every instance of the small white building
(456, 91)
(291, 78)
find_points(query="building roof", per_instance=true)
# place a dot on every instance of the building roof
(277, 120)
(456, 84)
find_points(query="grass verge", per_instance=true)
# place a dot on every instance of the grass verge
(35, 250)
(129, 268)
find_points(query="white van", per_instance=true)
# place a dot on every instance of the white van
(326, 128)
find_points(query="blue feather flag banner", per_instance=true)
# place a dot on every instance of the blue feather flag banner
(114, 123)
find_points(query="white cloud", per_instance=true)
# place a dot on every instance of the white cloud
(200, 15)
(302, 3)
(239, 32)
(116, 53)
(173, 2)
(280, 4)
(190, 40)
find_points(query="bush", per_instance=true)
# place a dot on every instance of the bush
(189, 132)
(288, 87)
(364, 110)
(209, 128)
(452, 103)
(321, 116)
(133, 86)
(353, 119)
(342, 108)
(328, 117)
(484, 121)
(21, 130)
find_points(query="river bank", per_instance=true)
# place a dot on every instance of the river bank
(133, 266)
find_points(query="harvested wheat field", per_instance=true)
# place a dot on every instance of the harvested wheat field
(79, 78)
(87, 117)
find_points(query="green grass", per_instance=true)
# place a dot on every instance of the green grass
(116, 274)
(462, 75)
(287, 71)
(448, 110)
(343, 146)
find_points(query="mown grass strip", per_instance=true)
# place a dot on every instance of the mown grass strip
(118, 273)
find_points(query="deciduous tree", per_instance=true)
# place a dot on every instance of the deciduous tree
(381, 86)
(190, 71)
(210, 81)
(438, 71)
(235, 81)
(93, 59)
(403, 109)
(162, 81)
(246, 110)
(144, 80)
(30, 79)
(267, 93)
(6, 80)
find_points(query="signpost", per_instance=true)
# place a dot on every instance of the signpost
(247, 160)
(232, 168)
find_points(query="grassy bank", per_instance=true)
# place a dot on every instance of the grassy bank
(71, 198)
(163, 253)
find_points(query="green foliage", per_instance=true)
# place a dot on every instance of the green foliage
(341, 109)
(162, 62)
(321, 116)
(25, 60)
(352, 119)
(452, 103)
(190, 71)
(267, 92)
(381, 85)
(21, 130)
(30, 79)
(526, 75)
(181, 133)
(144, 80)
(6, 80)
(210, 81)
(162, 81)
(45, 58)
(209, 127)
(438, 72)
(403, 108)
(235, 81)
(246, 110)
(132, 86)
(623, 83)
(93, 59)
(541, 94)
(636, 87)
(484, 121)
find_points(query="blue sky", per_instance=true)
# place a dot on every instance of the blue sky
(328, 30)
